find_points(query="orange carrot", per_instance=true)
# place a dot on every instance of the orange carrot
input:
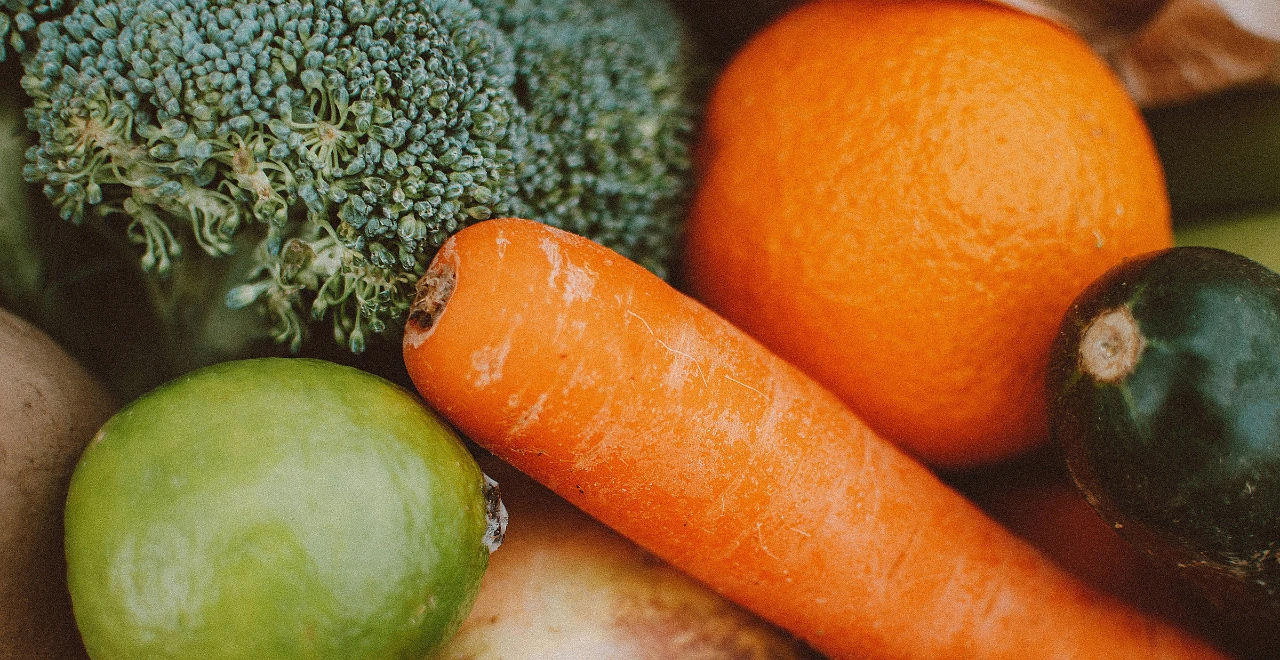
(667, 423)
(565, 586)
(1033, 498)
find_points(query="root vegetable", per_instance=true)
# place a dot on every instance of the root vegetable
(49, 409)
(664, 421)
(565, 586)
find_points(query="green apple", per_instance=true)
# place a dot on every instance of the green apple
(276, 508)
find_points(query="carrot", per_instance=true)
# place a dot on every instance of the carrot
(1033, 497)
(565, 586)
(665, 422)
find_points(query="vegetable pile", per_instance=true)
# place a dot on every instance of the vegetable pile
(540, 258)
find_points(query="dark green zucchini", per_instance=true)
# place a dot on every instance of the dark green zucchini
(1164, 391)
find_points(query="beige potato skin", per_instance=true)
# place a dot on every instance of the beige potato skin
(565, 586)
(50, 408)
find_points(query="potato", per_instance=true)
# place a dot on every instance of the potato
(565, 586)
(49, 409)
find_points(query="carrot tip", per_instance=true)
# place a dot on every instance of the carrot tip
(432, 294)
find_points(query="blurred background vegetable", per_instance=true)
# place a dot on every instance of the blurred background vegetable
(1255, 235)
(49, 409)
(1221, 152)
(1171, 51)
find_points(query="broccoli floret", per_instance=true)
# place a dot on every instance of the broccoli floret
(18, 20)
(607, 86)
(353, 136)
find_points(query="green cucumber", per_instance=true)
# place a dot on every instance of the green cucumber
(1164, 391)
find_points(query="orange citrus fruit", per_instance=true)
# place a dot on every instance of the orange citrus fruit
(902, 198)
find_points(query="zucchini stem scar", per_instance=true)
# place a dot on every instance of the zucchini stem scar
(1111, 346)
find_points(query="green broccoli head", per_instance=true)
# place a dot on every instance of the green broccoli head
(349, 138)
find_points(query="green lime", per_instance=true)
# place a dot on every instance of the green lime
(276, 508)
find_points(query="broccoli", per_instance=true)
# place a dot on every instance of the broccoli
(18, 20)
(340, 142)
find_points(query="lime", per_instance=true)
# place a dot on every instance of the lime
(276, 508)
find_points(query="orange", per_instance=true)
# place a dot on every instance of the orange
(902, 199)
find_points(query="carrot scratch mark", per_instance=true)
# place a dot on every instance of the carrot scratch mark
(801, 532)
(760, 538)
(735, 380)
(696, 364)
